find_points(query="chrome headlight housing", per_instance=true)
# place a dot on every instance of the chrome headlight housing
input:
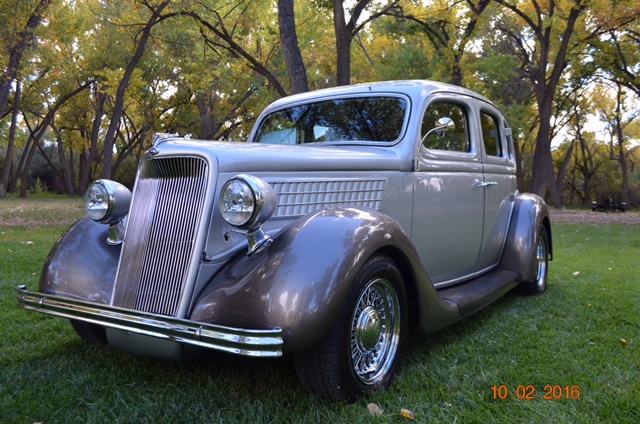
(247, 202)
(107, 201)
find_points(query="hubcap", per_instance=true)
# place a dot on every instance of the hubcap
(369, 329)
(541, 259)
(375, 331)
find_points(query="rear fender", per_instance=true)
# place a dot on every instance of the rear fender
(301, 280)
(529, 215)
(81, 265)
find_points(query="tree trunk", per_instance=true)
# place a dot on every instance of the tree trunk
(205, 105)
(563, 171)
(66, 167)
(110, 137)
(343, 44)
(87, 167)
(8, 160)
(519, 171)
(24, 178)
(23, 41)
(13, 184)
(542, 167)
(622, 160)
(292, 54)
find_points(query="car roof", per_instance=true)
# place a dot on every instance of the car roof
(412, 88)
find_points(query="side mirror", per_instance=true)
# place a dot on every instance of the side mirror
(443, 125)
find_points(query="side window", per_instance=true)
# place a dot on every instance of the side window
(445, 127)
(491, 134)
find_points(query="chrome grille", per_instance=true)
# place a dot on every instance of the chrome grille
(162, 227)
(302, 197)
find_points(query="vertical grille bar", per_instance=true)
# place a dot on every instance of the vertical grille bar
(161, 230)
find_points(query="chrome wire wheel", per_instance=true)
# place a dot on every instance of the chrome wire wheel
(375, 331)
(362, 351)
(542, 261)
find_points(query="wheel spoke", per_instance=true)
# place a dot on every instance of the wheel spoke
(375, 331)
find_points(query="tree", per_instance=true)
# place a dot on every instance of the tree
(613, 111)
(22, 41)
(292, 54)
(545, 63)
(8, 162)
(450, 27)
(345, 32)
(218, 36)
(116, 114)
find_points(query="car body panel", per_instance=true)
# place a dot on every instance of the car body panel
(87, 273)
(300, 281)
(453, 222)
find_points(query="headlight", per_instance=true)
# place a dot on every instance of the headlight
(107, 201)
(247, 202)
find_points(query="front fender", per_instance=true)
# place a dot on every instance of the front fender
(300, 281)
(81, 265)
(529, 215)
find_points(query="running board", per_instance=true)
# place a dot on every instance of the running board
(475, 294)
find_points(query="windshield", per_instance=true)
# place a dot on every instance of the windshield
(377, 119)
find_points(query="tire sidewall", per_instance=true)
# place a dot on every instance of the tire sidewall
(378, 267)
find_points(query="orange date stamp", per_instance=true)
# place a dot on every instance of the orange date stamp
(549, 392)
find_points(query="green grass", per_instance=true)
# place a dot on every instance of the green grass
(570, 336)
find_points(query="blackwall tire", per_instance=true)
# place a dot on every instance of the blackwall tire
(90, 332)
(362, 351)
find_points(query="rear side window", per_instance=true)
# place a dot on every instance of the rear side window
(378, 119)
(445, 127)
(491, 134)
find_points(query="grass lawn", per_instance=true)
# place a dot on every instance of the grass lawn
(579, 342)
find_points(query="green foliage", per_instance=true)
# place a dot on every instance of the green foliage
(209, 77)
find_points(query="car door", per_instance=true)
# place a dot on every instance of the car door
(448, 203)
(499, 168)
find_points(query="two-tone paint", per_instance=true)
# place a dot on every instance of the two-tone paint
(285, 297)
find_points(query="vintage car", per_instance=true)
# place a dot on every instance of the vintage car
(350, 215)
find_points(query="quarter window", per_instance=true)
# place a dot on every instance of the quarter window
(491, 134)
(436, 134)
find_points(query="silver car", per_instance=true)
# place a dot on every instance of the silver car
(350, 215)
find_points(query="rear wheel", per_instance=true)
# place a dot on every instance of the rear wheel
(90, 332)
(539, 284)
(362, 351)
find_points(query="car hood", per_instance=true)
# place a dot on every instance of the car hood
(254, 157)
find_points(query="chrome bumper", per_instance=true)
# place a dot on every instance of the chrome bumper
(247, 342)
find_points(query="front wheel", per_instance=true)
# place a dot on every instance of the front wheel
(363, 348)
(539, 284)
(90, 332)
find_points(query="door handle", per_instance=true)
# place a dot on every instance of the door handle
(487, 184)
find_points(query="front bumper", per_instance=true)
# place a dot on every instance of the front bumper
(247, 342)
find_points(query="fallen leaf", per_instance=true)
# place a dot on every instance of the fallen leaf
(375, 410)
(624, 342)
(408, 414)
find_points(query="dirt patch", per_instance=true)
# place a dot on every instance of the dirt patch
(594, 218)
